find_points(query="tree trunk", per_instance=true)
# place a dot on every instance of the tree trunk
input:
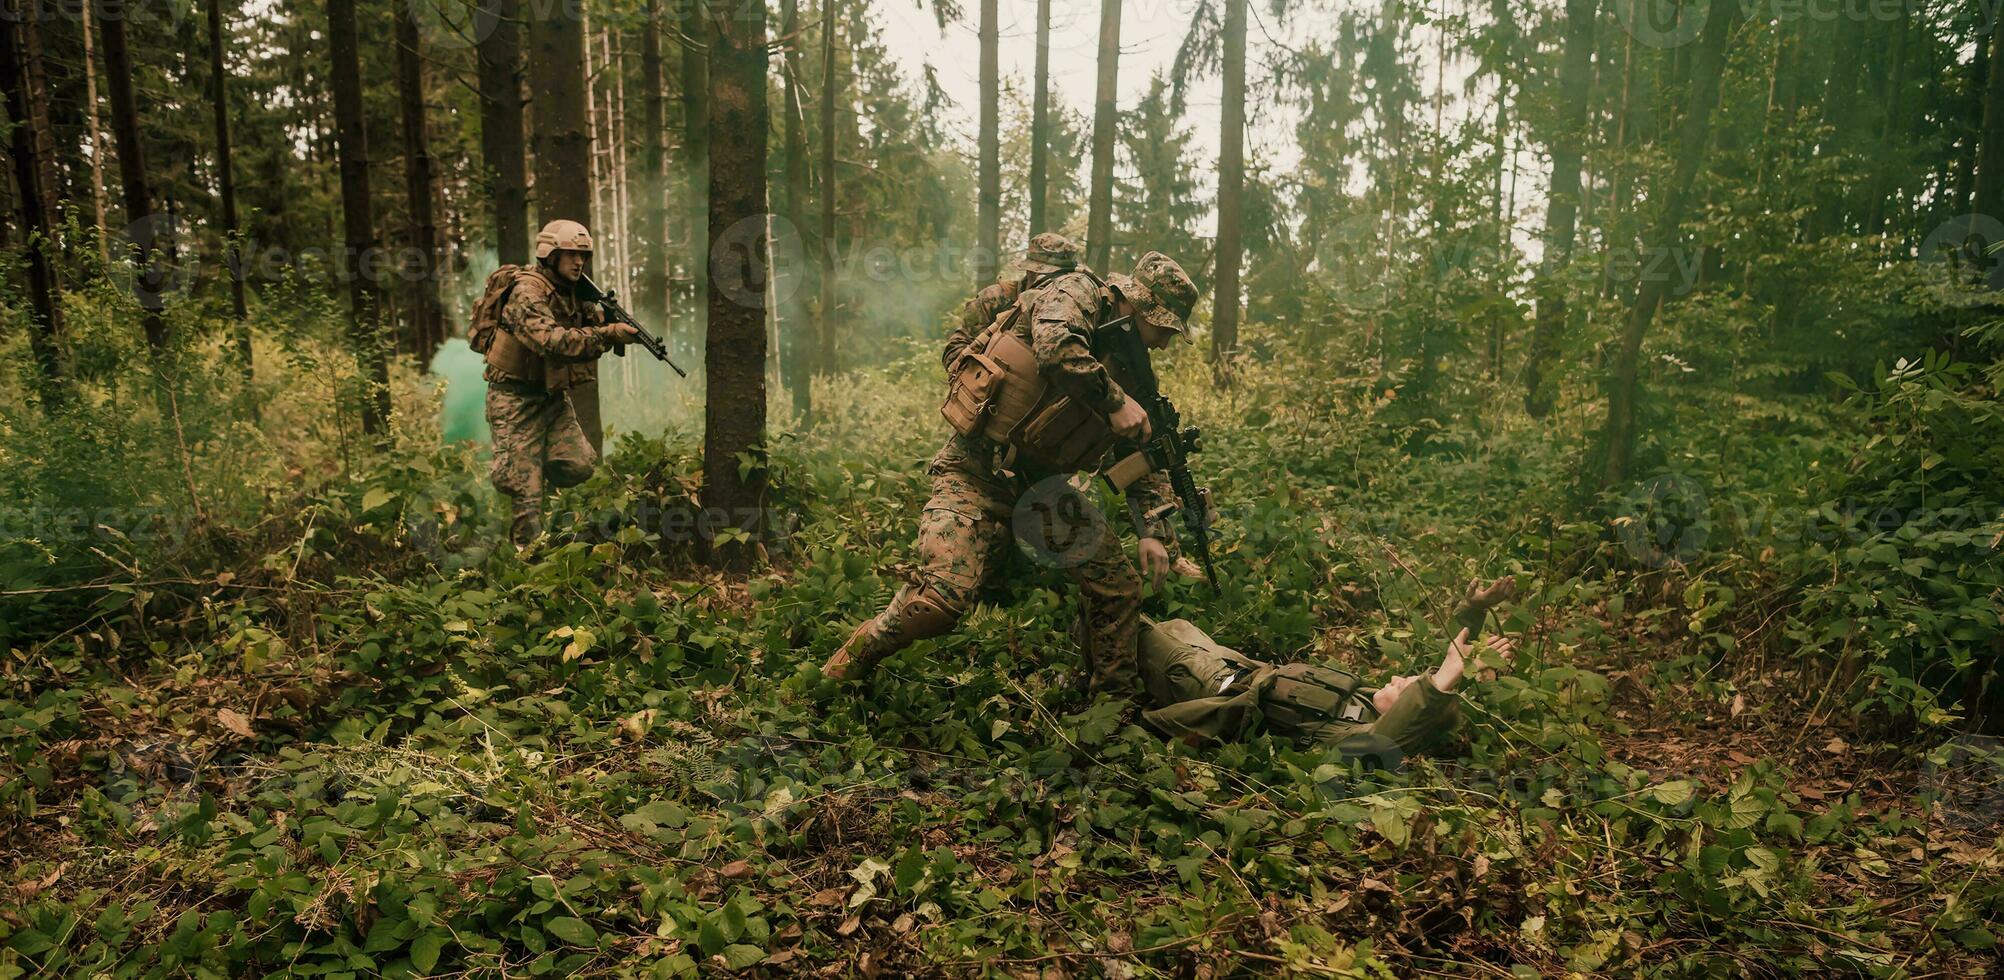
(562, 145)
(801, 354)
(96, 134)
(734, 358)
(1562, 209)
(557, 72)
(357, 216)
(1040, 121)
(988, 222)
(503, 153)
(1617, 442)
(1231, 194)
(1106, 105)
(1981, 75)
(831, 96)
(147, 231)
(1884, 186)
(427, 320)
(1988, 196)
(226, 178)
(33, 152)
(696, 158)
(653, 288)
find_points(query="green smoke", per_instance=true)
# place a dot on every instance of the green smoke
(463, 417)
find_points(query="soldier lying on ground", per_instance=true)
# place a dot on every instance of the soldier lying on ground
(1204, 691)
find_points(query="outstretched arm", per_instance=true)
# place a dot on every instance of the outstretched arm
(1447, 676)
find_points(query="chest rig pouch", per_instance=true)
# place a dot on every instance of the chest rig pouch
(1302, 696)
(997, 392)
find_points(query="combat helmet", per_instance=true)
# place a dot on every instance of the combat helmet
(562, 234)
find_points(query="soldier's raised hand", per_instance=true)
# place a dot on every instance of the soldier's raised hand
(1484, 598)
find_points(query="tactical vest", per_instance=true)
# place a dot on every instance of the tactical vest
(996, 391)
(512, 356)
(1205, 690)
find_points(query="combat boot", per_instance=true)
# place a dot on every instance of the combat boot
(858, 655)
(915, 614)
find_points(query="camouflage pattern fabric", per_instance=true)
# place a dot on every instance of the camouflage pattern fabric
(545, 315)
(1048, 253)
(1204, 691)
(538, 445)
(976, 508)
(964, 536)
(976, 315)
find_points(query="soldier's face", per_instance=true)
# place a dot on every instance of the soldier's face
(1157, 338)
(570, 265)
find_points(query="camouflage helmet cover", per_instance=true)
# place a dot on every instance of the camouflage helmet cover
(562, 235)
(1049, 252)
(1162, 292)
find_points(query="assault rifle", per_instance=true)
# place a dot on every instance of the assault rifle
(589, 292)
(1169, 443)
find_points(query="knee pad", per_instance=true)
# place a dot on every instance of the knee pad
(564, 473)
(926, 613)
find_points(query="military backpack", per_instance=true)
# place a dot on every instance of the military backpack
(487, 309)
(997, 391)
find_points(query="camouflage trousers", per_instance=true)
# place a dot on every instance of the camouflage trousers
(538, 445)
(964, 538)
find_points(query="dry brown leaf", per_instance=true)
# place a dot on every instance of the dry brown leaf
(235, 722)
(735, 870)
(1481, 865)
(849, 926)
(29, 889)
(1836, 746)
(1739, 704)
(903, 924)
(827, 896)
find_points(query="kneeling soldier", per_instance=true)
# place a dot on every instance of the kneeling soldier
(548, 341)
(1030, 406)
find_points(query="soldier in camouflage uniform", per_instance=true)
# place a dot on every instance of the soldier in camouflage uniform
(979, 501)
(1203, 692)
(1049, 255)
(549, 342)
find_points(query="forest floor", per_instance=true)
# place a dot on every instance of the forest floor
(371, 744)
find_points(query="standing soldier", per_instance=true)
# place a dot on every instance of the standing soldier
(1031, 405)
(548, 341)
(1049, 255)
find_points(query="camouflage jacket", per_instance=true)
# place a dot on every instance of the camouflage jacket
(1058, 326)
(975, 316)
(546, 316)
